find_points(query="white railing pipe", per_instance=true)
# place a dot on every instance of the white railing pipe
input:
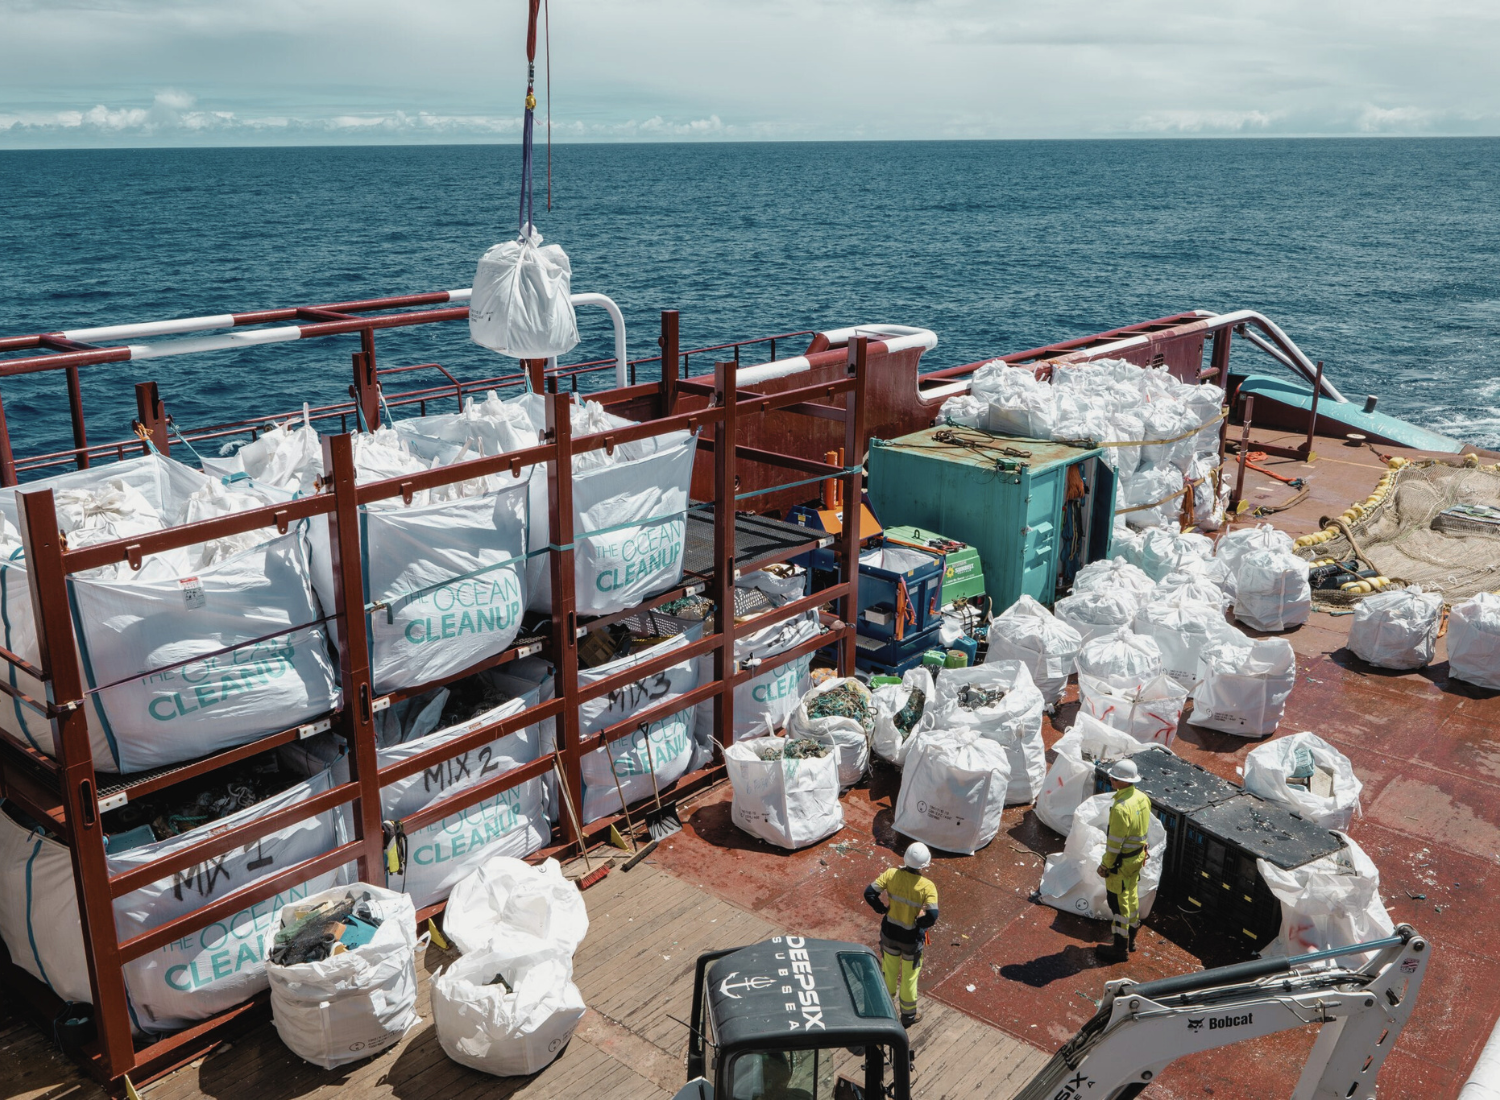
(622, 368)
(895, 337)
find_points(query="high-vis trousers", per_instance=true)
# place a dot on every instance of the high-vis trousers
(901, 963)
(1124, 901)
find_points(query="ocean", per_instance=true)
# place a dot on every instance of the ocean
(1376, 256)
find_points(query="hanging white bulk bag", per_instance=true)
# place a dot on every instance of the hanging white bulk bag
(1182, 629)
(510, 1029)
(356, 1004)
(39, 910)
(902, 711)
(508, 901)
(1121, 657)
(1331, 902)
(664, 750)
(1113, 575)
(850, 737)
(1236, 544)
(1166, 551)
(953, 791)
(1396, 629)
(1272, 591)
(1308, 774)
(521, 303)
(1243, 689)
(788, 802)
(1474, 641)
(1097, 612)
(1070, 779)
(1070, 880)
(1150, 710)
(1047, 646)
(998, 700)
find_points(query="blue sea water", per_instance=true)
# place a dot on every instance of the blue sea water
(1377, 256)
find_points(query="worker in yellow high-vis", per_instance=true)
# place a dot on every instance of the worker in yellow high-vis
(912, 909)
(1124, 856)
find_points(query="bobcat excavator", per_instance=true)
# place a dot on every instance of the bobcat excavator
(786, 1019)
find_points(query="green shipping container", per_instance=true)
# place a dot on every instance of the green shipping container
(1011, 507)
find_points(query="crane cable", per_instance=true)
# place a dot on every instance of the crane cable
(525, 217)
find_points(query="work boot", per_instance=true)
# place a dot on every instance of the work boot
(909, 1018)
(1132, 938)
(1117, 951)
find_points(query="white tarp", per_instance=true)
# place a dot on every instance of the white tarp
(849, 737)
(1182, 629)
(1070, 779)
(1149, 710)
(1243, 689)
(169, 612)
(1331, 799)
(790, 803)
(507, 901)
(1121, 658)
(521, 304)
(1098, 611)
(1029, 633)
(1013, 721)
(1396, 629)
(1331, 902)
(356, 1004)
(508, 1031)
(891, 700)
(1271, 590)
(953, 790)
(1070, 880)
(1474, 641)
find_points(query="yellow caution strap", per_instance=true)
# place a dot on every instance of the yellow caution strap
(437, 937)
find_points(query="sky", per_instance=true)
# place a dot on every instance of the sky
(88, 73)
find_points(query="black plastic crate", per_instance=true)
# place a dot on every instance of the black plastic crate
(1176, 788)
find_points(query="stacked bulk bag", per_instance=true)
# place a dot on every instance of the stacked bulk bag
(1070, 779)
(848, 735)
(1272, 591)
(1166, 551)
(509, 901)
(1242, 689)
(1121, 682)
(1308, 774)
(767, 699)
(355, 1004)
(1200, 584)
(788, 801)
(1210, 493)
(1097, 612)
(1331, 902)
(1125, 543)
(1397, 629)
(953, 790)
(1121, 658)
(1474, 641)
(1070, 881)
(998, 701)
(181, 605)
(902, 711)
(963, 411)
(1236, 544)
(521, 304)
(1029, 633)
(1151, 497)
(1114, 575)
(1019, 404)
(1182, 629)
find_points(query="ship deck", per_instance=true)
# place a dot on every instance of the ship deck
(1006, 979)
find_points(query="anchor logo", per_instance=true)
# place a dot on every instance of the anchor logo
(727, 984)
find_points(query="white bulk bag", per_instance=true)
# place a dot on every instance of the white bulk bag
(1193, 584)
(1070, 779)
(1166, 551)
(511, 1032)
(509, 901)
(1210, 491)
(1124, 543)
(1122, 658)
(890, 700)
(1268, 768)
(1150, 710)
(521, 303)
(482, 429)
(1474, 641)
(1243, 689)
(1164, 420)
(964, 411)
(1182, 629)
(953, 791)
(671, 738)
(1125, 427)
(282, 455)
(1396, 629)
(1114, 575)
(1029, 633)
(1019, 403)
(1098, 612)
(1236, 544)
(353, 1005)
(1150, 497)
(1331, 902)
(790, 803)
(510, 823)
(1271, 590)
(1014, 721)
(1070, 879)
(1205, 401)
(850, 738)
(39, 910)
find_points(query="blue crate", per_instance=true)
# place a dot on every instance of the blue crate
(891, 657)
(879, 591)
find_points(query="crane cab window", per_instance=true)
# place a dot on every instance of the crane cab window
(790, 1074)
(866, 985)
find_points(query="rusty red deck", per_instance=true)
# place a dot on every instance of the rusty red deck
(1422, 746)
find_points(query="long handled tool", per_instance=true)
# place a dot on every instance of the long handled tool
(590, 876)
(663, 821)
(629, 825)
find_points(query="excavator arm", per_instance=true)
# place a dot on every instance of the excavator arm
(1140, 1029)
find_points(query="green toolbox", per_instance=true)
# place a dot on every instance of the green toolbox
(963, 575)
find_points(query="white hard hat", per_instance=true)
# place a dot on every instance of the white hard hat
(1125, 771)
(918, 858)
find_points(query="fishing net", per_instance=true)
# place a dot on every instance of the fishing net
(802, 748)
(1428, 530)
(844, 701)
(909, 715)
